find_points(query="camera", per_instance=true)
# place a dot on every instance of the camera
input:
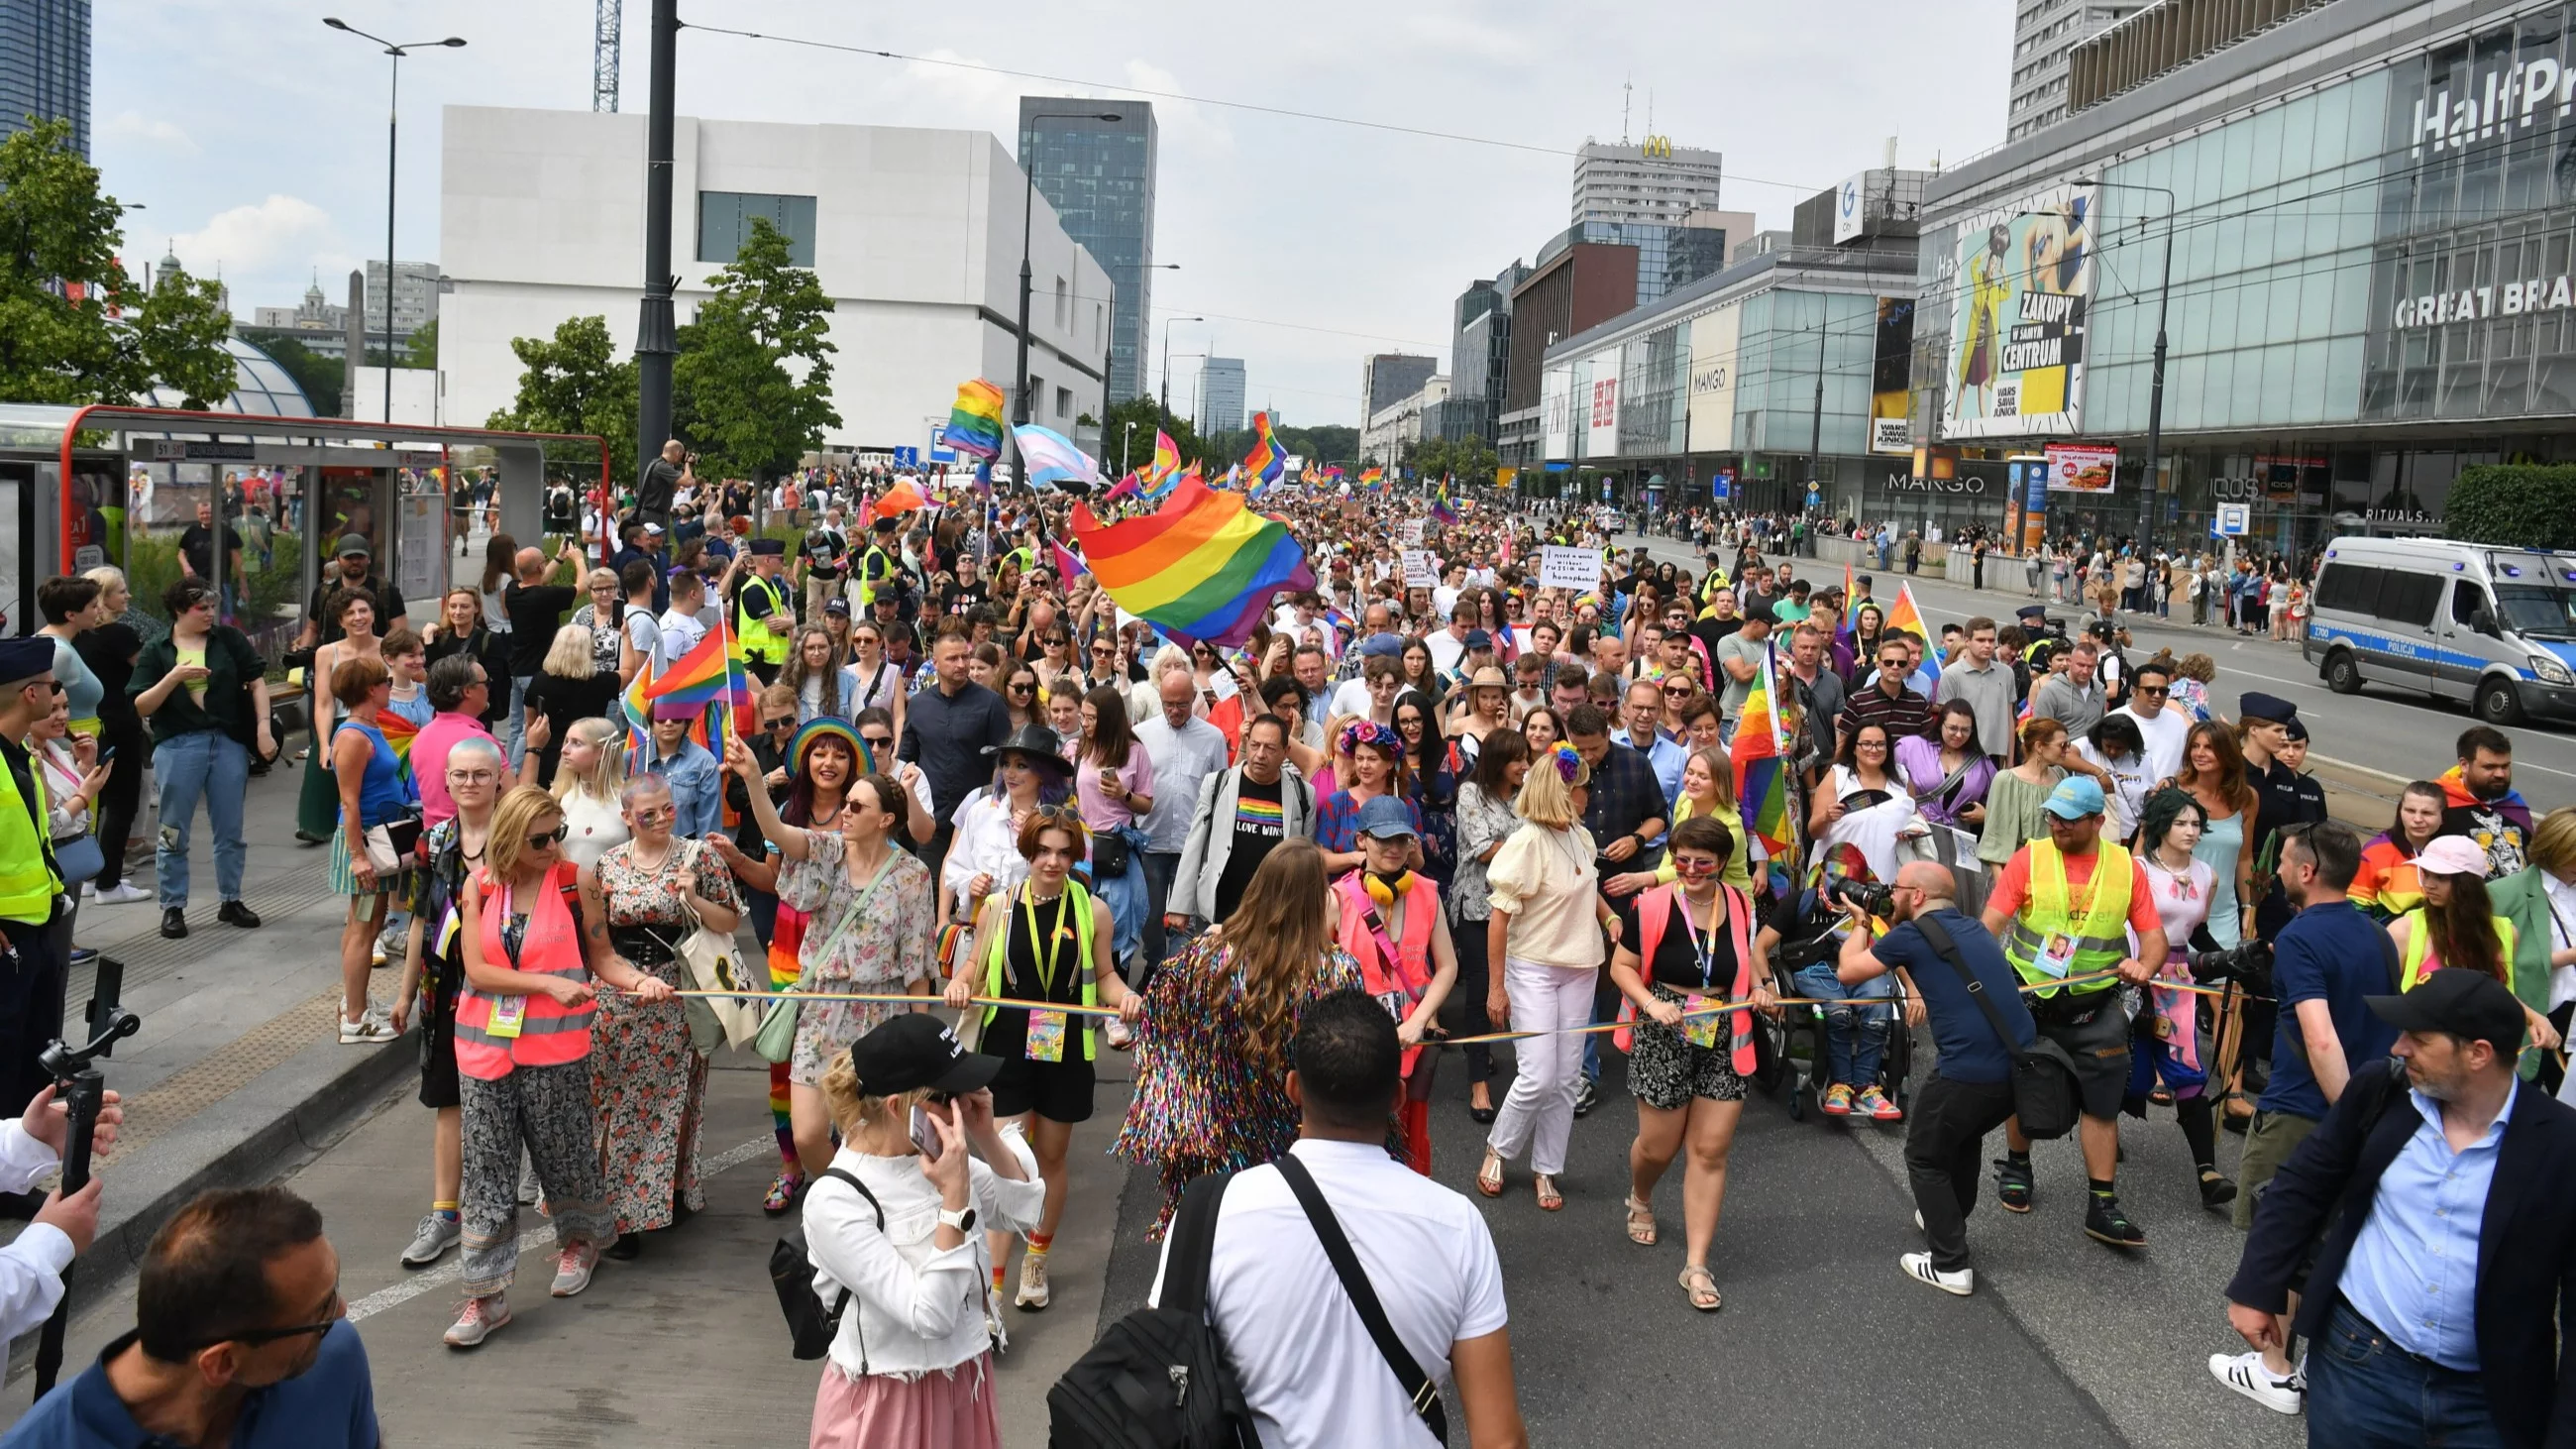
(2248, 963)
(1878, 900)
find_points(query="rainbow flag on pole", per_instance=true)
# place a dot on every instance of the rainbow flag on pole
(1906, 618)
(1204, 567)
(1761, 769)
(975, 420)
(1443, 512)
(712, 675)
(1265, 464)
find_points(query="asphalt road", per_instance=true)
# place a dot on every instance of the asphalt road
(2408, 736)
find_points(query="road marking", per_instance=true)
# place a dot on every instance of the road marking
(530, 1242)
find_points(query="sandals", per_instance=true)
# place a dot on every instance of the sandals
(782, 1192)
(1641, 1222)
(1489, 1178)
(1549, 1199)
(1701, 1285)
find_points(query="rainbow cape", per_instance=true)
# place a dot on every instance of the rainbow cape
(1203, 567)
(975, 420)
(1761, 773)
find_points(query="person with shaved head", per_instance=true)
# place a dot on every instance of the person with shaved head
(1936, 949)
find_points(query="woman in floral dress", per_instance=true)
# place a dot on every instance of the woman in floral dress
(649, 1084)
(869, 919)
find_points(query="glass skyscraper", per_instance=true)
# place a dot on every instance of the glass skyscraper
(1099, 177)
(44, 65)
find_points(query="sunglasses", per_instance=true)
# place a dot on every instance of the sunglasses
(654, 816)
(2154, 689)
(783, 722)
(1102, 649)
(878, 742)
(1024, 689)
(1694, 868)
(1672, 691)
(551, 837)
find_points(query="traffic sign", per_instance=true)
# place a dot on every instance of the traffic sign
(907, 457)
(2234, 520)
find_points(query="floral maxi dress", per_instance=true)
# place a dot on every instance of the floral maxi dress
(884, 949)
(648, 1084)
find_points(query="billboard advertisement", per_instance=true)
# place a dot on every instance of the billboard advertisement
(1714, 340)
(2023, 277)
(2081, 467)
(1891, 377)
(1555, 411)
(1602, 401)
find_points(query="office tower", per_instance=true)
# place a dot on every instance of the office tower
(1220, 395)
(1654, 182)
(1099, 177)
(2044, 31)
(44, 65)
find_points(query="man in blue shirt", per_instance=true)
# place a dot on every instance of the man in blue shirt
(1969, 1093)
(243, 1341)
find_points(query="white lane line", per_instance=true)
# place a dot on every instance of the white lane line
(530, 1242)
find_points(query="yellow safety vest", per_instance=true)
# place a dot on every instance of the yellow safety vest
(2419, 945)
(875, 567)
(759, 641)
(1076, 913)
(2099, 937)
(28, 884)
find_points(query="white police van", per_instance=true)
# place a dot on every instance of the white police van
(2495, 627)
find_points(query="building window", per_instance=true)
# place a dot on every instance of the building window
(1064, 402)
(724, 219)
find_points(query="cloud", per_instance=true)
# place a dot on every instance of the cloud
(280, 233)
(162, 135)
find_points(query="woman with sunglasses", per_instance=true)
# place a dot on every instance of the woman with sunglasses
(523, 1056)
(814, 672)
(374, 789)
(203, 688)
(871, 680)
(1021, 697)
(1372, 762)
(1708, 788)
(650, 1081)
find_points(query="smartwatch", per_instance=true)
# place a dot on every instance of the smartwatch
(963, 1220)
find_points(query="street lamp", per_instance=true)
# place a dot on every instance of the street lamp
(1167, 359)
(2156, 378)
(1028, 219)
(392, 115)
(1109, 360)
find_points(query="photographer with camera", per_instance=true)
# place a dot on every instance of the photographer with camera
(31, 1267)
(2060, 908)
(1970, 1090)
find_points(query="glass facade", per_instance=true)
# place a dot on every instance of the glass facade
(724, 219)
(1099, 177)
(44, 65)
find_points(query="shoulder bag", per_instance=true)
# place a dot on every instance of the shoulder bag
(811, 1327)
(776, 1039)
(2043, 1075)
(709, 961)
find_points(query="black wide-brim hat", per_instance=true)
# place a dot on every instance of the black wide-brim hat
(1040, 745)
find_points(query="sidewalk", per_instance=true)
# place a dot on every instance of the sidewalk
(237, 1072)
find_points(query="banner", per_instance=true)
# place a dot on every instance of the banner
(2023, 276)
(1418, 572)
(1578, 569)
(1891, 374)
(2081, 467)
(1714, 340)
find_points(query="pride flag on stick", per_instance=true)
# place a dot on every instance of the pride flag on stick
(1907, 619)
(1761, 777)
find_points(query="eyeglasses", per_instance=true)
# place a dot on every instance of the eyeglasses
(254, 1337)
(1869, 745)
(551, 837)
(1409, 722)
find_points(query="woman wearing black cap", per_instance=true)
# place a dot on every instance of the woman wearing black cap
(890, 1228)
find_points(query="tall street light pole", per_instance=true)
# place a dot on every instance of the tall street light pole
(1167, 359)
(1028, 221)
(656, 328)
(393, 115)
(2156, 377)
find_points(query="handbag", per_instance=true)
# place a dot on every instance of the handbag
(78, 859)
(1108, 856)
(390, 846)
(776, 1039)
(2043, 1075)
(710, 962)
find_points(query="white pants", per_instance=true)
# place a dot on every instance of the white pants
(1538, 1113)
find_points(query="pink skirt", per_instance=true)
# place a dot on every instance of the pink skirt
(951, 1410)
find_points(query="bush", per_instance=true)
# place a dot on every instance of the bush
(2513, 505)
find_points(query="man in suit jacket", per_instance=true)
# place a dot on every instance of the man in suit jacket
(2439, 1290)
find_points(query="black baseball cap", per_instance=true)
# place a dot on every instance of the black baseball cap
(914, 1051)
(2455, 1002)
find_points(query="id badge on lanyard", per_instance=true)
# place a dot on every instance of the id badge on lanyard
(1046, 1028)
(509, 1013)
(1699, 1025)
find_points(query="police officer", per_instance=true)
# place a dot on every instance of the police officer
(2046, 638)
(31, 882)
(877, 566)
(2282, 796)
(762, 618)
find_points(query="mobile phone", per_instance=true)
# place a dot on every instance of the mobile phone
(925, 1135)
(107, 754)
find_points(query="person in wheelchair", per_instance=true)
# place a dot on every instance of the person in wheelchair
(1804, 939)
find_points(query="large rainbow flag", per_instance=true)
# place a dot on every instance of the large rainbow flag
(975, 420)
(714, 673)
(1204, 567)
(1761, 771)
(1265, 464)
(1905, 618)
(1443, 512)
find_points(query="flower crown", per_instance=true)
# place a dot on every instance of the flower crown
(1370, 732)
(1568, 762)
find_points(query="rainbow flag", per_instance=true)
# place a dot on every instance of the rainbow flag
(1167, 461)
(975, 420)
(1761, 771)
(1265, 464)
(1204, 567)
(1372, 480)
(1442, 511)
(713, 674)
(1906, 618)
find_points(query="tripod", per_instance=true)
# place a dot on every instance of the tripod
(81, 1087)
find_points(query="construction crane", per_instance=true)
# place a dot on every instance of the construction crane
(603, 58)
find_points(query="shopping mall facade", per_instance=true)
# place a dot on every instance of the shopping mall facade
(2369, 236)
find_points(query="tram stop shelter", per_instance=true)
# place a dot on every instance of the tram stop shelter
(82, 486)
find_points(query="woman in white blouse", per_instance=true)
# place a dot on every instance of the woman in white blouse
(892, 1234)
(588, 783)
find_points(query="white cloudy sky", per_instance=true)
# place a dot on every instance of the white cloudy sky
(253, 134)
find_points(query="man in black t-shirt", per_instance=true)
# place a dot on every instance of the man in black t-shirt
(535, 609)
(197, 553)
(822, 559)
(1242, 815)
(350, 569)
(663, 477)
(966, 591)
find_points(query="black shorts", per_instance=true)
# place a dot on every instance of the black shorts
(2100, 1047)
(438, 1038)
(1057, 1091)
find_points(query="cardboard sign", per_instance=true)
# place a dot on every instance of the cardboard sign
(1418, 571)
(1412, 534)
(1578, 569)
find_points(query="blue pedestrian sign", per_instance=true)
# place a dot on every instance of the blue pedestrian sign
(907, 457)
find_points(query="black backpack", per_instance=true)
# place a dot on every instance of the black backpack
(810, 1326)
(1158, 1378)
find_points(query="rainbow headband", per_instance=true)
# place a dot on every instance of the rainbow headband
(831, 727)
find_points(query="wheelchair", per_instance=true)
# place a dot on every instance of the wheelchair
(1792, 1060)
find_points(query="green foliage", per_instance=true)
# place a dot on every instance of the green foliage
(574, 382)
(1466, 460)
(1147, 414)
(1331, 444)
(112, 342)
(751, 386)
(421, 349)
(2513, 505)
(321, 377)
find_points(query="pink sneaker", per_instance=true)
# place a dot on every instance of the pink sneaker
(573, 1267)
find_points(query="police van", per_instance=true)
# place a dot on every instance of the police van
(2495, 627)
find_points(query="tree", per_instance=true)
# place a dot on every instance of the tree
(1148, 416)
(2509, 505)
(422, 348)
(1464, 460)
(575, 382)
(751, 413)
(320, 377)
(74, 328)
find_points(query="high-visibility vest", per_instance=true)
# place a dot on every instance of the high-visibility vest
(759, 640)
(1655, 910)
(2419, 946)
(1076, 915)
(2100, 936)
(551, 1034)
(28, 883)
(1399, 982)
(875, 567)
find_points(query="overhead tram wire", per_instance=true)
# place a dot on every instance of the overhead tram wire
(1121, 88)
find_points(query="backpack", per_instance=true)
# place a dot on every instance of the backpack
(810, 1326)
(1158, 1378)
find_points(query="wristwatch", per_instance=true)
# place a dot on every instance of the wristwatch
(963, 1220)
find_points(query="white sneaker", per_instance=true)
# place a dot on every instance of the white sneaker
(2244, 1372)
(437, 1233)
(477, 1321)
(1033, 1282)
(368, 1030)
(1959, 1282)
(126, 893)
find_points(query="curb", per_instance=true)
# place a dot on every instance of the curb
(283, 1116)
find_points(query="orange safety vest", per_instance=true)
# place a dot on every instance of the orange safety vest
(1403, 979)
(1657, 907)
(551, 1034)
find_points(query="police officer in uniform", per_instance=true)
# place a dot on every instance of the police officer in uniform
(762, 618)
(2282, 796)
(31, 882)
(877, 566)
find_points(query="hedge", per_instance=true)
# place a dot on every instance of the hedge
(2513, 505)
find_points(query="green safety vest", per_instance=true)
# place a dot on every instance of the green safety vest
(997, 954)
(759, 640)
(28, 883)
(2100, 935)
(875, 567)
